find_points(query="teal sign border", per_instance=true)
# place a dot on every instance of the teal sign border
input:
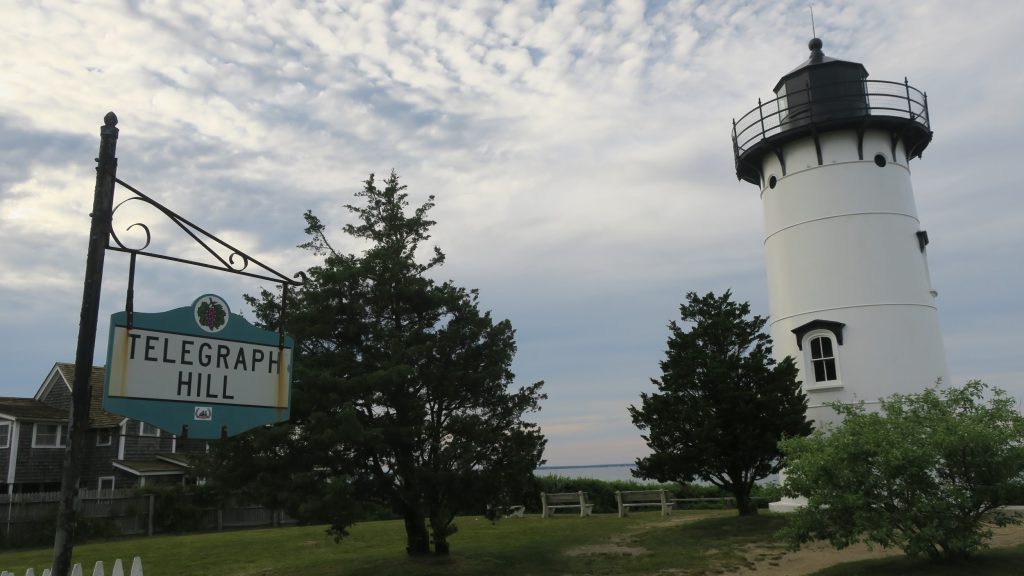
(171, 415)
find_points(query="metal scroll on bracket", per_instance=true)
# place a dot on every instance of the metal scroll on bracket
(227, 257)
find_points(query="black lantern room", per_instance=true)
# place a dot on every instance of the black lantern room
(822, 89)
(825, 94)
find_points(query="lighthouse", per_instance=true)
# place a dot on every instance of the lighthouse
(849, 289)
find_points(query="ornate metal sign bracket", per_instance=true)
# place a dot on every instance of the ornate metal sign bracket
(228, 258)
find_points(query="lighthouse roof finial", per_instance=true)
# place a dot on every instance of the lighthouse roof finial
(816, 54)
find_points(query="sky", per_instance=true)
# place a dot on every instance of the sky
(579, 152)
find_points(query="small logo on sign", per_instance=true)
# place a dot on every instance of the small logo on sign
(211, 312)
(204, 413)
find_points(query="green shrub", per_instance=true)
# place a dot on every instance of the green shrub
(1015, 493)
(769, 492)
(40, 533)
(927, 473)
(87, 529)
(174, 510)
(701, 491)
(29, 534)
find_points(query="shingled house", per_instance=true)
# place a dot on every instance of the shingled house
(121, 452)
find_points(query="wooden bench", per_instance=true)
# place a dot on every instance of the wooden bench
(643, 498)
(551, 502)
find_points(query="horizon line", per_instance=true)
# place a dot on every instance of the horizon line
(549, 466)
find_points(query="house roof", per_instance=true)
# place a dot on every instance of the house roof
(31, 409)
(98, 417)
(177, 458)
(34, 409)
(154, 467)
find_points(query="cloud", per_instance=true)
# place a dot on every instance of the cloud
(579, 151)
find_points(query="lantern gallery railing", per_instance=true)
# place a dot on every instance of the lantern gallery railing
(817, 106)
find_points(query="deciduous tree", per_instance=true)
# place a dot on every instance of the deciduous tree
(927, 473)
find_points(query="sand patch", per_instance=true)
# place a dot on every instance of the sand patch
(607, 549)
(820, 555)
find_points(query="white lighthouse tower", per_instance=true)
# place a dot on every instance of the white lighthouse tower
(851, 299)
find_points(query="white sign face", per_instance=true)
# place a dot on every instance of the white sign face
(167, 366)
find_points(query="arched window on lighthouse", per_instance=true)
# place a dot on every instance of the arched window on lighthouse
(823, 360)
(819, 340)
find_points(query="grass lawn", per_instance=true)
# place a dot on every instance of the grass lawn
(514, 546)
(698, 542)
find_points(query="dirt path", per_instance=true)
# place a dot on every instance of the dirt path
(818, 556)
(617, 544)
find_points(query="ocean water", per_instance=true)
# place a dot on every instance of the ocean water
(606, 472)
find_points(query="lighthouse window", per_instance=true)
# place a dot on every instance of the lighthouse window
(880, 160)
(819, 340)
(823, 359)
(772, 182)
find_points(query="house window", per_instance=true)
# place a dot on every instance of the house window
(823, 359)
(106, 484)
(5, 434)
(104, 437)
(49, 435)
(148, 430)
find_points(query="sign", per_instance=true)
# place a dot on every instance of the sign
(199, 366)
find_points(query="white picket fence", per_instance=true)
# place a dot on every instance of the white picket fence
(97, 570)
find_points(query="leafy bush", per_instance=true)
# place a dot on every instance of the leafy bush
(768, 492)
(927, 473)
(701, 491)
(88, 529)
(40, 533)
(174, 510)
(29, 534)
(1015, 493)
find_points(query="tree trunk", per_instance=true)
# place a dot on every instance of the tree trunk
(441, 547)
(744, 505)
(410, 502)
(440, 529)
(416, 535)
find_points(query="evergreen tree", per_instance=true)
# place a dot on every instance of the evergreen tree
(722, 403)
(402, 392)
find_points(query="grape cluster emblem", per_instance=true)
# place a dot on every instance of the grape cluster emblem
(211, 313)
